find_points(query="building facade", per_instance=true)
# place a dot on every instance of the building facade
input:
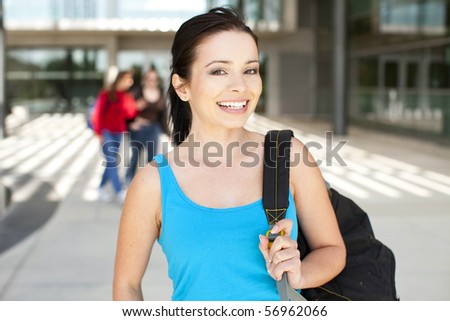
(400, 65)
(398, 54)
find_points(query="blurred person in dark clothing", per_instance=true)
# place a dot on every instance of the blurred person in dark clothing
(146, 128)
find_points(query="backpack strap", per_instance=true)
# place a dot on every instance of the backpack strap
(276, 193)
(276, 174)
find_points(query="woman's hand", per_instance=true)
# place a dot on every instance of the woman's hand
(141, 103)
(134, 125)
(137, 123)
(283, 255)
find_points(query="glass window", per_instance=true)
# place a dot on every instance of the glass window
(25, 10)
(413, 16)
(150, 14)
(54, 80)
(44, 13)
(391, 74)
(179, 9)
(367, 81)
(438, 75)
(368, 72)
(433, 13)
(412, 75)
(360, 17)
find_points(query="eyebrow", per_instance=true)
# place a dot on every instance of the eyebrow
(227, 62)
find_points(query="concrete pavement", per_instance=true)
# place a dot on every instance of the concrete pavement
(57, 241)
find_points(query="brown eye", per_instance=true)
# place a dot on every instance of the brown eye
(218, 72)
(252, 71)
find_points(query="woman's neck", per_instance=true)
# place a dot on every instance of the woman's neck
(151, 94)
(222, 136)
(217, 143)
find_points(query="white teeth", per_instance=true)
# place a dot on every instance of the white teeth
(233, 104)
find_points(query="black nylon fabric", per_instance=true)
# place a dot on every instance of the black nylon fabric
(276, 164)
(369, 274)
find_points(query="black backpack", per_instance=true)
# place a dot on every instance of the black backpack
(369, 274)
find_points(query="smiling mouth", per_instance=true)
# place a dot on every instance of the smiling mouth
(233, 105)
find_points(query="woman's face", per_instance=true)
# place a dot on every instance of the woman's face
(125, 83)
(225, 83)
(151, 79)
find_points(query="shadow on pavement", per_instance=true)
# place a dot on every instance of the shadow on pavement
(24, 218)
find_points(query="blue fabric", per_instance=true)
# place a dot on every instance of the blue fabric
(213, 253)
(147, 138)
(110, 149)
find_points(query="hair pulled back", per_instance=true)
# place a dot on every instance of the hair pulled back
(112, 91)
(188, 37)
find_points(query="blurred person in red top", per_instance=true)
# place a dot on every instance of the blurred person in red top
(113, 108)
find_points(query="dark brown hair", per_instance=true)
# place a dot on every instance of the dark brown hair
(113, 89)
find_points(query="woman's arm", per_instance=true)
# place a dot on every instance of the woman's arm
(317, 219)
(319, 225)
(139, 228)
(130, 106)
(98, 113)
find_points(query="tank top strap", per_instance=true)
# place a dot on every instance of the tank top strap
(168, 185)
(161, 160)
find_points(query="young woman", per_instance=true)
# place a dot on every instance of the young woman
(113, 107)
(201, 204)
(149, 123)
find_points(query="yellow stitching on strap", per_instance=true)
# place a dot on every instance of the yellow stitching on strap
(276, 171)
(334, 293)
(274, 215)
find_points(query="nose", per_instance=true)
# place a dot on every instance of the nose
(237, 83)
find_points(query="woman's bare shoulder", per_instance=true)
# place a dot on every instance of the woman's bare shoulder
(305, 172)
(145, 190)
(148, 177)
(300, 156)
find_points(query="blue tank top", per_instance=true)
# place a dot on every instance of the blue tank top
(213, 253)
